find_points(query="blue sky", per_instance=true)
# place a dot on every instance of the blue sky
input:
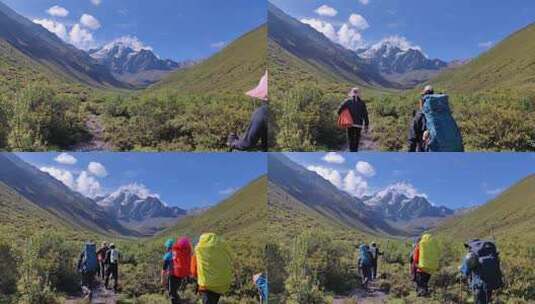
(186, 180)
(175, 29)
(451, 179)
(447, 29)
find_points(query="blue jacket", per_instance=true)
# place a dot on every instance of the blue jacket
(474, 280)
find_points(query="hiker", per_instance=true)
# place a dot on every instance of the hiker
(261, 283)
(356, 121)
(481, 266)
(112, 267)
(433, 128)
(365, 264)
(412, 262)
(176, 267)
(87, 266)
(212, 266)
(374, 250)
(258, 126)
(101, 257)
(425, 259)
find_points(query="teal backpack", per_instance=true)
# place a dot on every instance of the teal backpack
(445, 135)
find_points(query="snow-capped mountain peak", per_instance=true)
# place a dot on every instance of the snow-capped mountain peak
(391, 46)
(119, 47)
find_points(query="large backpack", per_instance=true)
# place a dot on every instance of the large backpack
(90, 258)
(181, 259)
(445, 135)
(488, 268)
(214, 263)
(429, 254)
(365, 256)
(114, 256)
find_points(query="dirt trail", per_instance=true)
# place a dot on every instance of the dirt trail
(360, 296)
(366, 142)
(100, 296)
(97, 142)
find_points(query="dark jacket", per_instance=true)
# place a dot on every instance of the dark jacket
(358, 110)
(416, 132)
(256, 131)
(101, 254)
(375, 253)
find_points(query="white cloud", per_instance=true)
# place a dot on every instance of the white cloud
(66, 159)
(401, 42)
(329, 174)
(81, 38)
(334, 158)
(365, 168)
(358, 22)
(63, 176)
(97, 169)
(494, 192)
(486, 45)
(347, 35)
(96, 2)
(130, 41)
(218, 45)
(90, 22)
(326, 10)
(57, 11)
(350, 37)
(403, 188)
(323, 27)
(355, 185)
(364, 2)
(228, 191)
(52, 26)
(88, 185)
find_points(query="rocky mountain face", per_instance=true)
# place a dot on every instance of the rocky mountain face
(131, 62)
(395, 204)
(129, 205)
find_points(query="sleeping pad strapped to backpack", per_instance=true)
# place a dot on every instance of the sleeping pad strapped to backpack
(429, 254)
(488, 268)
(181, 251)
(445, 135)
(214, 263)
(90, 258)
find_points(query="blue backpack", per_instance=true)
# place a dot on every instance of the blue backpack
(90, 258)
(365, 256)
(445, 135)
(488, 268)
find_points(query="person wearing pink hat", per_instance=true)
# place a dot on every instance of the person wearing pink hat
(257, 131)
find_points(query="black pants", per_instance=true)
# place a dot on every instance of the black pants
(353, 139)
(374, 269)
(102, 270)
(209, 297)
(88, 280)
(366, 272)
(422, 283)
(112, 270)
(173, 285)
(482, 296)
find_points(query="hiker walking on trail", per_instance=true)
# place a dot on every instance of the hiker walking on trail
(261, 282)
(112, 267)
(375, 252)
(176, 267)
(257, 131)
(481, 267)
(353, 116)
(365, 264)
(425, 257)
(212, 266)
(433, 128)
(101, 257)
(88, 266)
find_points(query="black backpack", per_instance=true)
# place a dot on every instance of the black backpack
(488, 268)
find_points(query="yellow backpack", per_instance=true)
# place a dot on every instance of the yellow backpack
(429, 260)
(214, 263)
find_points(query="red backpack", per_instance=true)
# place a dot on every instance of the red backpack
(181, 258)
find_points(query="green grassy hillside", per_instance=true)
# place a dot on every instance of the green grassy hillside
(509, 65)
(509, 216)
(235, 70)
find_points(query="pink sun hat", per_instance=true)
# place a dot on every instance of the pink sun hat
(261, 91)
